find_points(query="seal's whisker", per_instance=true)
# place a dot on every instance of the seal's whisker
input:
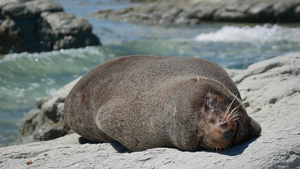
(236, 119)
(232, 112)
(237, 115)
(230, 118)
(229, 107)
(234, 115)
(227, 114)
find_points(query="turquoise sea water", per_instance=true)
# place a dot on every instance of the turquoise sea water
(25, 77)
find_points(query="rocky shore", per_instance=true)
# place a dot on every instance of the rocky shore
(45, 121)
(195, 12)
(270, 91)
(41, 25)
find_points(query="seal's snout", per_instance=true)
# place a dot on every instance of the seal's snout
(227, 134)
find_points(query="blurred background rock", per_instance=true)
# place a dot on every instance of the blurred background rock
(41, 25)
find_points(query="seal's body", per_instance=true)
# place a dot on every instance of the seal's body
(145, 102)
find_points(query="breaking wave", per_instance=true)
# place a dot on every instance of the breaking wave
(261, 34)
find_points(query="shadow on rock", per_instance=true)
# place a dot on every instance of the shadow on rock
(116, 145)
(120, 148)
(83, 140)
(238, 149)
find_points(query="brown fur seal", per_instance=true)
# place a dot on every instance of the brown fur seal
(145, 102)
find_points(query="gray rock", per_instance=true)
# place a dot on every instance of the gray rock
(233, 12)
(65, 23)
(297, 11)
(170, 16)
(285, 11)
(3, 3)
(41, 25)
(271, 92)
(261, 12)
(44, 5)
(45, 122)
(193, 12)
(206, 11)
(17, 11)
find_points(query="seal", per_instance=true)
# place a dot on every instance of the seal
(145, 102)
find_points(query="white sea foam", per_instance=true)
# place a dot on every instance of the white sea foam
(265, 33)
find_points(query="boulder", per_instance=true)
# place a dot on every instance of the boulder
(270, 91)
(41, 25)
(45, 121)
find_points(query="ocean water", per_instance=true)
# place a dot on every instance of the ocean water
(27, 77)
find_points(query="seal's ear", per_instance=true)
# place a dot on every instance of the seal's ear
(255, 128)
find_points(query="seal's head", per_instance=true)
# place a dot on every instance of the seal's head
(226, 122)
(202, 113)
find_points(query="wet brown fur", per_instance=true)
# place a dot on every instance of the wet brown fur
(146, 102)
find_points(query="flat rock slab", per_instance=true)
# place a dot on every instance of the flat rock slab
(195, 12)
(271, 92)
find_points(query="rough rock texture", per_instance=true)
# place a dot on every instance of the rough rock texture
(270, 90)
(194, 12)
(45, 122)
(41, 25)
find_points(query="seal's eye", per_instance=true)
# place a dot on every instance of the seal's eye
(208, 102)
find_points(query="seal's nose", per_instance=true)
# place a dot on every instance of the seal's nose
(227, 134)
